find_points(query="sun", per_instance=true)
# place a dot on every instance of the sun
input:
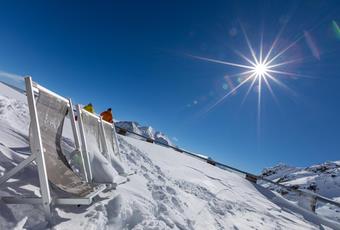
(261, 70)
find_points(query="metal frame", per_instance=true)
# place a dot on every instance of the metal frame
(86, 200)
(37, 155)
(84, 146)
(76, 138)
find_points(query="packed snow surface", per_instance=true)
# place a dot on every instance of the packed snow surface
(170, 190)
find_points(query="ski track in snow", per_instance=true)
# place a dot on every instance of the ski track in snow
(170, 190)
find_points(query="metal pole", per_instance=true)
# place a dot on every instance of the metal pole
(74, 126)
(38, 148)
(115, 141)
(17, 168)
(84, 145)
(76, 137)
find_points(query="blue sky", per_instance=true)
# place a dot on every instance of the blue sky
(134, 56)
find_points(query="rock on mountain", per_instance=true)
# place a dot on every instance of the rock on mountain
(323, 179)
(146, 131)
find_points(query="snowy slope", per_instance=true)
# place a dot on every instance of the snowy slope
(169, 191)
(323, 179)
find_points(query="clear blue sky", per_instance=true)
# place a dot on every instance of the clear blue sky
(133, 56)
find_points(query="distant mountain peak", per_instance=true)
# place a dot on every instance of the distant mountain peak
(146, 131)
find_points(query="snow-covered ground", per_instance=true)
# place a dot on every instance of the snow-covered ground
(323, 179)
(169, 191)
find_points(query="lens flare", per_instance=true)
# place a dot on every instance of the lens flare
(336, 29)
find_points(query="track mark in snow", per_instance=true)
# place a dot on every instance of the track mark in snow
(212, 178)
(167, 206)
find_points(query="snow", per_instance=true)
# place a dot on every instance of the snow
(323, 179)
(170, 190)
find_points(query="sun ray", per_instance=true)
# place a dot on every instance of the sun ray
(270, 89)
(285, 50)
(296, 60)
(294, 42)
(241, 74)
(249, 89)
(285, 63)
(275, 41)
(290, 74)
(221, 62)
(244, 57)
(259, 103)
(280, 83)
(261, 47)
(231, 92)
(249, 44)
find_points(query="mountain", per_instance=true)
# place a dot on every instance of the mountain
(323, 179)
(146, 131)
(170, 190)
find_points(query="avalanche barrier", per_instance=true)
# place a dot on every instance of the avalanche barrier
(48, 113)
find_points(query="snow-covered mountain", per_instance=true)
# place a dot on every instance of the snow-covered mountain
(170, 190)
(323, 179)
(146, 131)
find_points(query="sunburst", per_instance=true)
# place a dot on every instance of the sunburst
(259, 69)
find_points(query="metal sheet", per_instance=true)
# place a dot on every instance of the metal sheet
(51, 114)
(101, 167)
(111, 148)
(92, 134)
